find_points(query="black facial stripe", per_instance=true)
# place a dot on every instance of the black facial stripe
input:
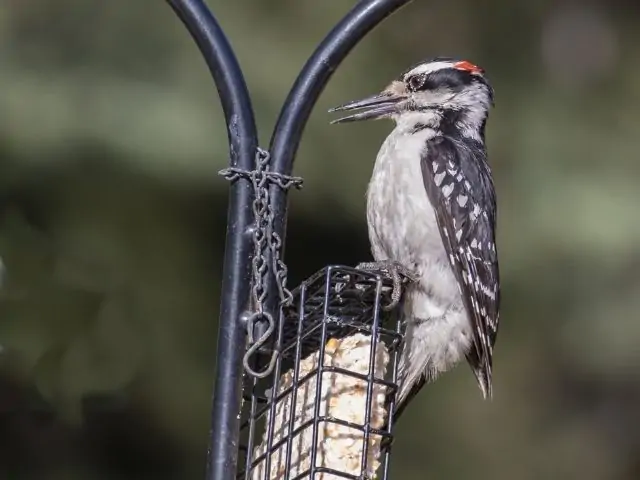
(451, 78)
(448, 122)
(412, 107)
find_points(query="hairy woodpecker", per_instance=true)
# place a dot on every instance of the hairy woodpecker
(431, 213)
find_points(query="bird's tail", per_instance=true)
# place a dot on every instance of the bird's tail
(482, 372)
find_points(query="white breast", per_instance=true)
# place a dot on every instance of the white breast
(402, 224)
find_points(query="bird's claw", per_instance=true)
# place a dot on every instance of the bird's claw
(396, 271)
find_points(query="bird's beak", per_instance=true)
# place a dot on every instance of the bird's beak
(371, 108)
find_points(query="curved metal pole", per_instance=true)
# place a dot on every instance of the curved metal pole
(241, 130)
(310, 83)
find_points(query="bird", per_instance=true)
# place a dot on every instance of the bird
(431, 215)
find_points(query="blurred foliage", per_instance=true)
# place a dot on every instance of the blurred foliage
(112, 227)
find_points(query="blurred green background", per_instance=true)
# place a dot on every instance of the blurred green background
(112, 223)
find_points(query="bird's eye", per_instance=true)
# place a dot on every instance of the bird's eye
(416, 82)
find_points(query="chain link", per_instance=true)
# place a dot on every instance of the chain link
(264, 239)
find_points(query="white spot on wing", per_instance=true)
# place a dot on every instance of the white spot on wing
(475, 305)
(475, 212)
(438, 178)
(488, 292)
(447, 190)
(462, 200)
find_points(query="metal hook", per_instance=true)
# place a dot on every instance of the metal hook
(256, 345)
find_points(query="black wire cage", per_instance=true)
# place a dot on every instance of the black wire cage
(325, 403)
(305, 380)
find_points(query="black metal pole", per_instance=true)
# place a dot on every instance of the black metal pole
(241, 130)
(310, 83)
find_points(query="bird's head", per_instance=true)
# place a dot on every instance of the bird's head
(442, 86)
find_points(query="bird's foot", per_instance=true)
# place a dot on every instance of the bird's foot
(396, 271)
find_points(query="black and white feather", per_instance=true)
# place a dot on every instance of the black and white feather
(458, 182)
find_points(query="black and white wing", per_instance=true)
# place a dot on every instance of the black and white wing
(460, 188)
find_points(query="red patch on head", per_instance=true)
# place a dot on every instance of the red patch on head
(468, 67)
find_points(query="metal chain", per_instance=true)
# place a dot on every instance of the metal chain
(264, 237)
